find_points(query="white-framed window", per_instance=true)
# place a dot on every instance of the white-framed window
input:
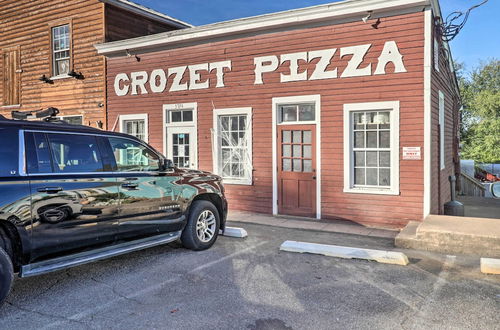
(436, 54)
(232, 152)
(135, 125)
(73, 120)
(61, 49)
(371, 148)
(441, 130)
(298, 112)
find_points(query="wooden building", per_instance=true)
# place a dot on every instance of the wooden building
(48, 56)
(340, 111)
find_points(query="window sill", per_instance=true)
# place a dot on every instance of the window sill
(63, 76)
(12, 106)
(237, 182)
(371, 191)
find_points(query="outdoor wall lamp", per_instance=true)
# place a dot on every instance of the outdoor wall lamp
(76, 75)
(130, 55)
(368, 16)
(46, 80)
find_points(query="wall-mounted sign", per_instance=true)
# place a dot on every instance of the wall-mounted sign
(192, 77)
(411, 153)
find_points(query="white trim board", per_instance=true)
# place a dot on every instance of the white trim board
(428, 24)
(137, 116)
(316, 99)
(165, 124)
(321, 13)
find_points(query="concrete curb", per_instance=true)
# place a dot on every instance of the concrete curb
(490, 266)
(387, 257)
(235, 232)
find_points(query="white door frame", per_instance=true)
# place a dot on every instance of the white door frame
(316, 99)
(168, 127)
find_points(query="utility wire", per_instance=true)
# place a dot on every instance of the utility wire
(452, 24)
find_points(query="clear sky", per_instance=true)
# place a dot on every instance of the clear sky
(479, 39)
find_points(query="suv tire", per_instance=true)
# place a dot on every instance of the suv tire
(6, 275)
(202, 228)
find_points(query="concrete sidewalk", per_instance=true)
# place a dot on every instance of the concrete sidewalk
(333, 226)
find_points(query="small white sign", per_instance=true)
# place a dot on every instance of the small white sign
(411, 153)
(180, 150)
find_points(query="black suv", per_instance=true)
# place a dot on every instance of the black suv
(73, 194)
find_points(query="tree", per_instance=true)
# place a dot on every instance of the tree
(480, 129)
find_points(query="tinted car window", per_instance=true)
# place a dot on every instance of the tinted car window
(133, 156)
(38, 153)
(9, 161)
(72, 153)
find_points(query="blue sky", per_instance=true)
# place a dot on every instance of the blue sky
(479, 40)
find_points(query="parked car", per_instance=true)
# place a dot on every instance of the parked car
(73, 194)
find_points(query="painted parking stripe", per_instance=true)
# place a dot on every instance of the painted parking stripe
(235, 232)
(490, 266)
(387, 257)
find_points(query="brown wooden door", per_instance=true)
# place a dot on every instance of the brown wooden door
(11, 76)
(297, 170)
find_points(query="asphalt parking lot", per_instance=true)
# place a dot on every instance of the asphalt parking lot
(249, 284)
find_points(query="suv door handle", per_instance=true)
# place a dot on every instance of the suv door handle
(50, 190)
(130, 186)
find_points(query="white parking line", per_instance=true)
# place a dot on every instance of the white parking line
(387, 257)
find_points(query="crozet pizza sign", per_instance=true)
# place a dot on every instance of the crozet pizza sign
(136, 82)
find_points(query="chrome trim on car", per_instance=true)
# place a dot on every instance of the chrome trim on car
(22, 154)
(153, 222)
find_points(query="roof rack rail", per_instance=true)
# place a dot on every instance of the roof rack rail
(48, 115)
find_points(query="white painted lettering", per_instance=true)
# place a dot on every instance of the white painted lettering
(178, 73)
(358, 55)
(158, 81)
(294, 67)
(139, 79)
(219, 71)
(195, 76)
(325, 56)
(264, 64)
(390, 53)
(119, 78)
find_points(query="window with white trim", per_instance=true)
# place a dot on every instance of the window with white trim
(371, 147)
(233, 145)
(135, 125)
(61, 50)
(73, 120)
(441, 130)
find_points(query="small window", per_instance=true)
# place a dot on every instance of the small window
(73, 120)
(9, 156)
(135, 128)
(75, 153)
(61, 50)
(296, 112)
(131, 156)
(179, 116)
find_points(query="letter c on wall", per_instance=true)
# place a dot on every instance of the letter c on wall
(124, 90)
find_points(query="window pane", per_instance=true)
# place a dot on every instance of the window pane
(358, 120)
(307, 152)
(385, 141)
(297, 138)
(287, 150)
(187, 115)
(359, 158)
(297, 150)
(288, 113)
(235, 154)
(287, 136)
(74, 120)
(359, 139)
(307, 165)
(371, 118)
(38, 153)
(74, 154)
(224, 123)
(385, 158)
(133, 156)
(306, 137)
(371, 176)
(234, 123)
(371, 158)
(359, 176)
(287, 165)
(243, 123)
(297, 165)
(306, 112)
(176, 116)
(371, 139)
(385, 177)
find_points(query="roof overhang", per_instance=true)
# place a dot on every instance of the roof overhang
(147, 12)
(285, 19)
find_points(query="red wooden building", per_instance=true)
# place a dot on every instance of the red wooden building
(340, 111)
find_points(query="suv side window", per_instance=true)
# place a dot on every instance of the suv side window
(9, 154)
(75, 153)
(37, 153)
(131, 156)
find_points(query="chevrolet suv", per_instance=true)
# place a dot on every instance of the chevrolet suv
(73, 194)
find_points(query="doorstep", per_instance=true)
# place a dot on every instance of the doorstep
(334, 226)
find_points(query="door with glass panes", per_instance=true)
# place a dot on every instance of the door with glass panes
(181, 146)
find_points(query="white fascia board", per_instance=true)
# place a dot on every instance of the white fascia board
(147, 12)
(336, 10)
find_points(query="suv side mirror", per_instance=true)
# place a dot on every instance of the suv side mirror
(166, 164)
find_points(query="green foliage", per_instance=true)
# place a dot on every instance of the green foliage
(480, 129)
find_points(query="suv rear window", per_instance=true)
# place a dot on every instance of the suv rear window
(9, 152)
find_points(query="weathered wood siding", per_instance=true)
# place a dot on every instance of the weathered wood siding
(121, 24)
(407, 30)
(26, 24)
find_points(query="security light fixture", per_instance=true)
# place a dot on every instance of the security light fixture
(76, 75)
(368, 16)
(130, 55)
(376, 24)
